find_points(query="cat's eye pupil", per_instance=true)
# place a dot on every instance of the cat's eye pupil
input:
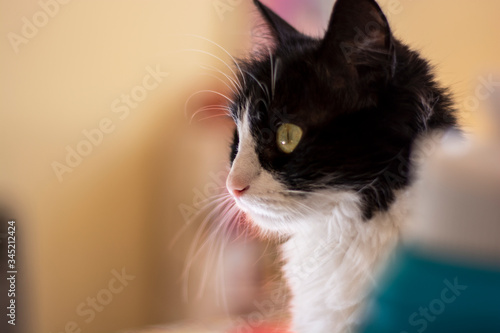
(288, 137)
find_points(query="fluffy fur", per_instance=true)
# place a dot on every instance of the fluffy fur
(362, 98)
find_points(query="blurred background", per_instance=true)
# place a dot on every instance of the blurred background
(106, 174)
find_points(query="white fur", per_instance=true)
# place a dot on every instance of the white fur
(332, 255)
(331, 267)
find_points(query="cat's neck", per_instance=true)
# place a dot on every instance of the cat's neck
(330, 267)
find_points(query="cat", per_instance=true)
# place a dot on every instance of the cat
(321, 153)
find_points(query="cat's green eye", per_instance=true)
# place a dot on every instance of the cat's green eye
(288, 137)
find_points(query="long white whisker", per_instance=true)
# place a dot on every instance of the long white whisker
(187, 223)
(266, 91)
(215, 116)
(226, 210)
(192, 249)
(216, 57)
(201, 92)
(223, 49)
(272, 71)
(223, 281)
(222, 242)
(275, 73)
(233, 215)
(214, 238)
(221, 80)
(210, 240)
(214, 69)
(210, 108)
(307, 193)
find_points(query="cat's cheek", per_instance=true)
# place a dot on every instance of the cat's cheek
(241, 206)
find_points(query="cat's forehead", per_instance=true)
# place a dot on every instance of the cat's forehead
(299, 96)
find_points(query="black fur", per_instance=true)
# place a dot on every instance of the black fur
(361, 97)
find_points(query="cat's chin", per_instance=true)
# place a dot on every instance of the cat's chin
(269, 222)
(275, 225)
(288, 218)
(282, 224)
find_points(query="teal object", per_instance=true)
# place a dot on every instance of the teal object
(421, 294)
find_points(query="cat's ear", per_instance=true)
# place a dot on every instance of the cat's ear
(280, 30)
(359, 34)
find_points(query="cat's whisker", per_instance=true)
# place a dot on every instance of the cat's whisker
(223, 283)
(234, 225)
(264, 252)
(195, 251)
(275, 73)
(268, 94)
(216, 116)
(307, 193)
(221, 80)
(220, 272)
(219, 276)
(235, 84)
(210, 108)
(207, 267)
(223, 49)
(211, 201)
(218, 58)
(201, 228)
(272, 71)
(213, 92)
(204, 92)
(266, 91)
(214, 232)
(220, 243)
(188, 223)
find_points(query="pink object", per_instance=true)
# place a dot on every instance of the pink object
(310, 17)
(268, 329)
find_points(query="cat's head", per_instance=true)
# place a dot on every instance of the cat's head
(325, 126)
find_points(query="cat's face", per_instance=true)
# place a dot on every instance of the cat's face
(321, 129)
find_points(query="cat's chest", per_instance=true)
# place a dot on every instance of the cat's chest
(331, 263)
(330, 268)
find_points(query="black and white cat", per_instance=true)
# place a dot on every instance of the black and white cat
(321, 153)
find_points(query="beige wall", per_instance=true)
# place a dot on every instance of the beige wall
(460, 37)
(119, 207)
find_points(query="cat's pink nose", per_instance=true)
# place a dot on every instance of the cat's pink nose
(236, 186)
(238, 193)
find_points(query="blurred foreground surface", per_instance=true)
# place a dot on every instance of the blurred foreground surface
(446, 277)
